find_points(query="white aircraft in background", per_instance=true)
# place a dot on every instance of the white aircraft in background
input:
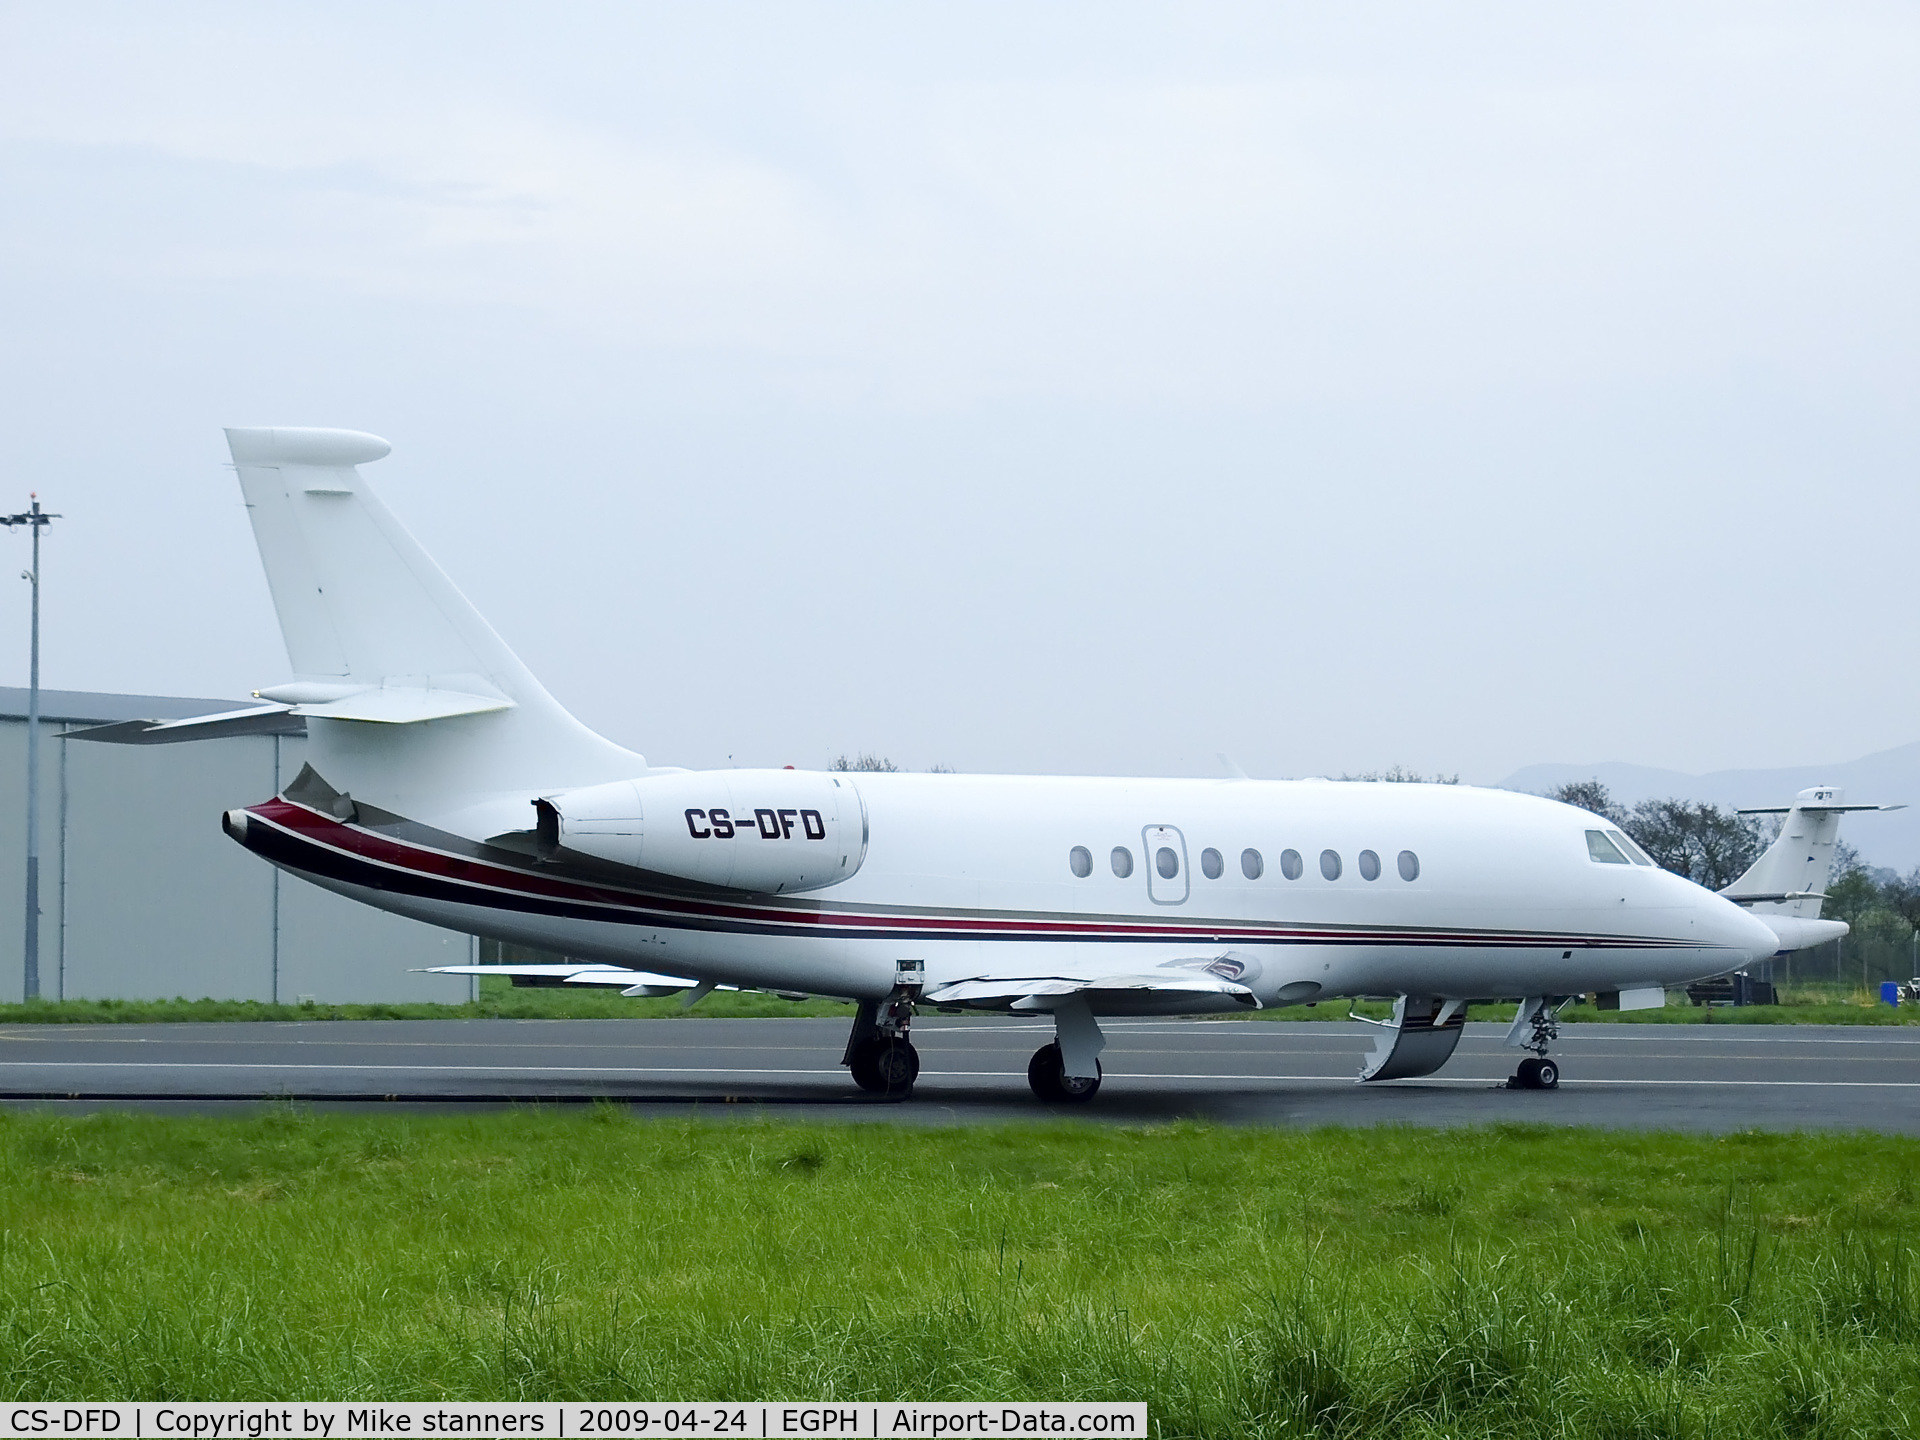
(445, 784)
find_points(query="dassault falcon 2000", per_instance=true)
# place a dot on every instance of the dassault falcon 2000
(444, 783)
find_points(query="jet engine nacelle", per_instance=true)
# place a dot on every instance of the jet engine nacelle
(770, 831)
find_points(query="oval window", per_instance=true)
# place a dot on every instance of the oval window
(1211, 865)
(1081, 859)
(1330, 864)
(1409, 865)
(1290, 865)
(1122, 861)
(1166, 862)
(1251, 865)
(1369, 865)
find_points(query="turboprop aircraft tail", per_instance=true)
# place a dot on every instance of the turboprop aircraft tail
(1786, 885)
(411, 702)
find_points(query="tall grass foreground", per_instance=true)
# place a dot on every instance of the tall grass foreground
(1244, 1282)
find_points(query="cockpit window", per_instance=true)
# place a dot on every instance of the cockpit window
(1634, 852)
(1602, 850)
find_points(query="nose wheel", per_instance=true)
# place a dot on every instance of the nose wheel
(1534, 1028)
(1535, 1073)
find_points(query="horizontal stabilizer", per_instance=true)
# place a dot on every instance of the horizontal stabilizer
(255, 720)
(375, 704)
(1814, 809)
(404, 705)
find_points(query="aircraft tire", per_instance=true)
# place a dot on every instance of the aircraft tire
(1537, 1073)
(885, 1066)
(1046, 1074)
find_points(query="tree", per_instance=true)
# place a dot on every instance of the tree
(1708, 845)
(1851, 893)
(865, 761)
(1590, 795)
(1901, 895)
(1851, 896)
(1399, 774)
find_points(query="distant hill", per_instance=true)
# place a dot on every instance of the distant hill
(1891, 777)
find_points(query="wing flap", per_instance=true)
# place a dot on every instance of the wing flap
(1145, 993)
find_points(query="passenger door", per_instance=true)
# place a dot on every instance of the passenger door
(1166, 862)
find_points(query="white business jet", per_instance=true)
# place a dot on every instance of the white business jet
(444, 783)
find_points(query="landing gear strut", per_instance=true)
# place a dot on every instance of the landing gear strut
(879, 1054)
(1534, 1028)
(1068, 1070)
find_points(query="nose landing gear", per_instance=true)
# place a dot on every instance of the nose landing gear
(1534, 1028)
(1539, 1073)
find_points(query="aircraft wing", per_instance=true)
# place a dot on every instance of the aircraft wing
(606, 977)
(1149, 994)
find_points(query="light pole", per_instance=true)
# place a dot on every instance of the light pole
(36, 520)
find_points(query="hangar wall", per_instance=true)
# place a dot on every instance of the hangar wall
(144, 897)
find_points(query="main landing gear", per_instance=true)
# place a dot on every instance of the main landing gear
(1534, 1028)
(879, 1054)
(1068, 1071)
(1047, 1074)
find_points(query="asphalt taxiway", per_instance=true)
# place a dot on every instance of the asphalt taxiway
(1686, 1077)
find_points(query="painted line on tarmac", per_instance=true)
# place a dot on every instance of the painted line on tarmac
(1497, 1082)
(404, 1069)
(1771, 1034)
(538, 1070)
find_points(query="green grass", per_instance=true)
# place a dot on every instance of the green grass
(1510, 1282)
(1827, 1005)
(498, 1000)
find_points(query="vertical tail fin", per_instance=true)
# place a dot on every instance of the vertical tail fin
(412, 702)
(1790, 878)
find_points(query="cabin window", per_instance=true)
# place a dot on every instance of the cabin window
(1166, 862)
(1080, 859)
(1290, 864)
(1251, 865)
(1603, 851)
(1122, 861)
(1330, 864)
(1625, 842)
(1369, 865)
(1211, 865)
(1409, 866)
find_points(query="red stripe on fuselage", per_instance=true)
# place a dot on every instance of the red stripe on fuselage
(671, 911)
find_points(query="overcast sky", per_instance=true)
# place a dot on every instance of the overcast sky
(1087, 388)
